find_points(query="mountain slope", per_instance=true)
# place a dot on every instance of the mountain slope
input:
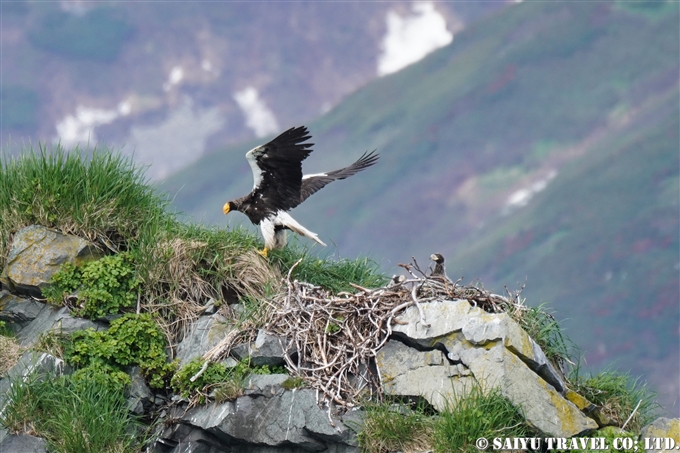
(537, 147)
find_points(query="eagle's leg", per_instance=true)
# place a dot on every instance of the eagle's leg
(264, 252)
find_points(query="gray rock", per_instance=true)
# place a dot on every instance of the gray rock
(663, 434)
(205, 333)
(23, 443)
(18, 312)
(57, 320)
(493, 350)
(265, 350)
(265, 384)
(36, 253)
(408, 372)
(291, 417)
(139, 396)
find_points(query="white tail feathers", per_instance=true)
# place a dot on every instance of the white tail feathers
(282, 218)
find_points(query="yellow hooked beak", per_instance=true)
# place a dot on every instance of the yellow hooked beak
(226, 208)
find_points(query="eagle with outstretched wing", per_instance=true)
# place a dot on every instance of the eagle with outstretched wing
(279, 186)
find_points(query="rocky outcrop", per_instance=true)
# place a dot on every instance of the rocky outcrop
(36, 254)
(661, 436)
(438, 356)
(462, 345)
(288, 418)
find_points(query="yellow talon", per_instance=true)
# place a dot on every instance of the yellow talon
(264, 252)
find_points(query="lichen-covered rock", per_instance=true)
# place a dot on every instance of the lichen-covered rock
(496, 351)
(661, 436)
(205, 333)
(37, 253)
(18, 312)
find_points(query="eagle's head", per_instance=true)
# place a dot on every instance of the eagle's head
(437, 258)
(228, 207)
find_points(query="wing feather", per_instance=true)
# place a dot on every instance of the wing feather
(277, 168)
(313, 183)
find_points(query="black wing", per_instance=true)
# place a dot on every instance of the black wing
(312, 183)
(277, 168)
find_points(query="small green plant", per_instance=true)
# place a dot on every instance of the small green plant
(5, 331)
(73, 416)
(225, 383)
(293, 383)
(103, 286)
(478, 414)
(131, 340)
(619, 396)
(213, 374)
(391, 426)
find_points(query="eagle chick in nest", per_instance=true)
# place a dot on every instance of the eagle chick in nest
(439, 269)
(279, 186)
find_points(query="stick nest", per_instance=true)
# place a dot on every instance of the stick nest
(332, 340)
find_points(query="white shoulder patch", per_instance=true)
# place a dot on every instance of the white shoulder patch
(314, 175)
(251, 157)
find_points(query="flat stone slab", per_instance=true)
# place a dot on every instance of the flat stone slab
(55, 319)
(493, 348)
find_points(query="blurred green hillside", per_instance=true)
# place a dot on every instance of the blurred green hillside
(540, 147)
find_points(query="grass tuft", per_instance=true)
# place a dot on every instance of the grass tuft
(74, 417)
(480, 413)
(391, 427)
(100, 196)
(618, 396)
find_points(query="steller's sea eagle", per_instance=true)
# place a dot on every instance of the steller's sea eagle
(279, 185)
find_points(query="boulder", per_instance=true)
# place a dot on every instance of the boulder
(290, 418)
(267, 350)
(661, 436)
(23, 443)
(18, 312)
(497, 353)
(205, 333)
(405, 371)
(54, 319)
(36, 253)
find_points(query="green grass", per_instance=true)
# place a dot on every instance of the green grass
(544, 330)
(481, 413)
(395, 427)
(97, 195)
(618, 395)
(390, 427)
(74, 417)
(333, 275)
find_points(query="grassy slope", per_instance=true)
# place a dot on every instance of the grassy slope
(540, 86)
